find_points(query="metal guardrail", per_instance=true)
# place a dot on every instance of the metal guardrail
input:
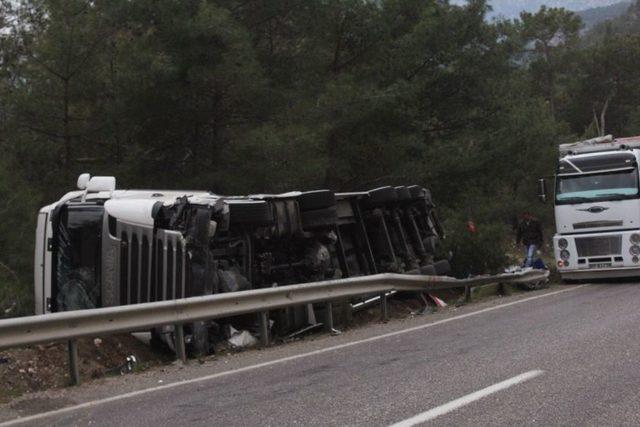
(71, 325)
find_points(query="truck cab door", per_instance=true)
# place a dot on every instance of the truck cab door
(42, 263)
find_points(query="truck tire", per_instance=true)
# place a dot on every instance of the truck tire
(319, 217)
(428, 270)
(199, 346)
(416, 191)
(250, 212)
(403, 193)
(382, 195)
(442, 267)
(319, 199)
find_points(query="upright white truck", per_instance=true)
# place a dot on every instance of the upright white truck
(597, 209)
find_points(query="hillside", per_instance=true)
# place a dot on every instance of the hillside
(512, 8)
(594, 16)
(626, 23)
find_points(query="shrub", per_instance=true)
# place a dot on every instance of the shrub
(481, 252)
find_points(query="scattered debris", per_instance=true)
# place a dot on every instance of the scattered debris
(129, 365)
(241, 339)
(425, 309)
(516, 269)
(299, 332)
(9, 309)
(531, 286)
(438, 302)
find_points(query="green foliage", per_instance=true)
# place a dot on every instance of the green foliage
(276, 160)
(624, 24)
(479, 252)
(248, 96)
(18, 213)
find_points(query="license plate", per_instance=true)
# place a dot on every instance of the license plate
(600, 265)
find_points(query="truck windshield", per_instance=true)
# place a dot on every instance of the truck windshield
(593, 187)
(77, 265)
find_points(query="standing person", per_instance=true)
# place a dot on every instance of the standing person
(529, 233)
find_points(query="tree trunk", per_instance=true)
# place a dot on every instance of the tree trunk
(66, 131)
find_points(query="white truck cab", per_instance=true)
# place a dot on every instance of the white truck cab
(597, 209)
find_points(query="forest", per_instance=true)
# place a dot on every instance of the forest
(250, 96)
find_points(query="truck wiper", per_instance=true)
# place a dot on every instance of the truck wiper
(615, 196)
(575, 199)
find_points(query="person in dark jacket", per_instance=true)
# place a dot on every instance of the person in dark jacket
(529, 233)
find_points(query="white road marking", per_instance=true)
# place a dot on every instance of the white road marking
(465, 400)
(93, 403)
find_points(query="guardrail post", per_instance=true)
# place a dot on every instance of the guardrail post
(181, 351)
(74, 370)
(467, 294)
(503, 289)
(328, 317)
(346, 313)
(263, 320)
(384, 314)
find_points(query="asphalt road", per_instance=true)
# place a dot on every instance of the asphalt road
(569, 358)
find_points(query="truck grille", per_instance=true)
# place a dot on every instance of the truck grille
(596, 224)
(152, 268)
(598, 246)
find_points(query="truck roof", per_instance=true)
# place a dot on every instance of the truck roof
(600, 144)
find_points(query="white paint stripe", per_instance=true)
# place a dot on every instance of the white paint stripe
(465, 400)
(274, 362)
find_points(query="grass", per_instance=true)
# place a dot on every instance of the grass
(16, 296)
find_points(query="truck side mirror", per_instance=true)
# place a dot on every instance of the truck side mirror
(542, 190)
(83, 180)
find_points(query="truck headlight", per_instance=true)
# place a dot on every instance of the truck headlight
(634, 250)
(635, 238)
(563, 243)
(564, 254)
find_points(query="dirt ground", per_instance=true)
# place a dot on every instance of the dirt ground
(42, 367)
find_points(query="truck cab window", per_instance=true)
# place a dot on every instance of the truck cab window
(594, 187)
(78, 243)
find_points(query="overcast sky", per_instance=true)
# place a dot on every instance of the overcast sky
(511, 8)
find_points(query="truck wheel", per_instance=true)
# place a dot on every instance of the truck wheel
(416, 191)
(403, 193)
(157, 342)
(319, 199)
(442, 267)
(382, 195)
(250, 212)
(199, 345)
(428, 270)
(319, 217)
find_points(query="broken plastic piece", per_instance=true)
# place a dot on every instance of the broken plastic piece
(129, 365)
(241, 339)
(437, 301)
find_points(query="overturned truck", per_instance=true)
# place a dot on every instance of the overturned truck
(100, 247)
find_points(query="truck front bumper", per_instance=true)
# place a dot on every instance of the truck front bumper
(604, 273)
